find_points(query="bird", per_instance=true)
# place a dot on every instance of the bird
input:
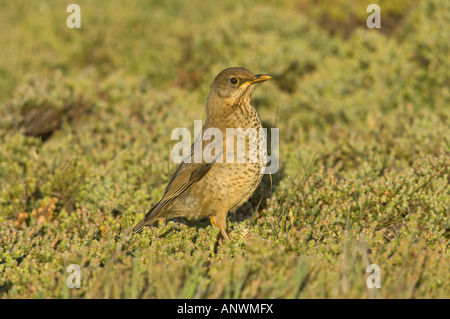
(214, 188)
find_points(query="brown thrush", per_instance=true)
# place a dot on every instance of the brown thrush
(213, 188)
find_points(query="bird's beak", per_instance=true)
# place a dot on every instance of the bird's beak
(258, 78)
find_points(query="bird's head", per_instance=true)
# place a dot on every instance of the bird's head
(234, 86)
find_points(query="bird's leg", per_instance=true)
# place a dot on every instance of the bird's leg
(222, 236)
(213, 221)
(221, 223)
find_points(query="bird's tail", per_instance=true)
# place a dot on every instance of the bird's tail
(139, 227)
(149, 219)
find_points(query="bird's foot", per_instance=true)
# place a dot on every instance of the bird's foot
(222, 236)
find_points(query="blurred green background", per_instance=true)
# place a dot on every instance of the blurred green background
(85, 122)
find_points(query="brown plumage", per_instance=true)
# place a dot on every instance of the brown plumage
(212, 189)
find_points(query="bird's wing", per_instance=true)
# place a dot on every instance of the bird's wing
(188, 172)
(185, 175)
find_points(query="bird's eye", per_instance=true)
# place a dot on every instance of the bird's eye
(233, 80)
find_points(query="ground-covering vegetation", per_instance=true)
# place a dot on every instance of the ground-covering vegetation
(86, 117)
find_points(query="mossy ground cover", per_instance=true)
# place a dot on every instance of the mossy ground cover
(85, 123)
